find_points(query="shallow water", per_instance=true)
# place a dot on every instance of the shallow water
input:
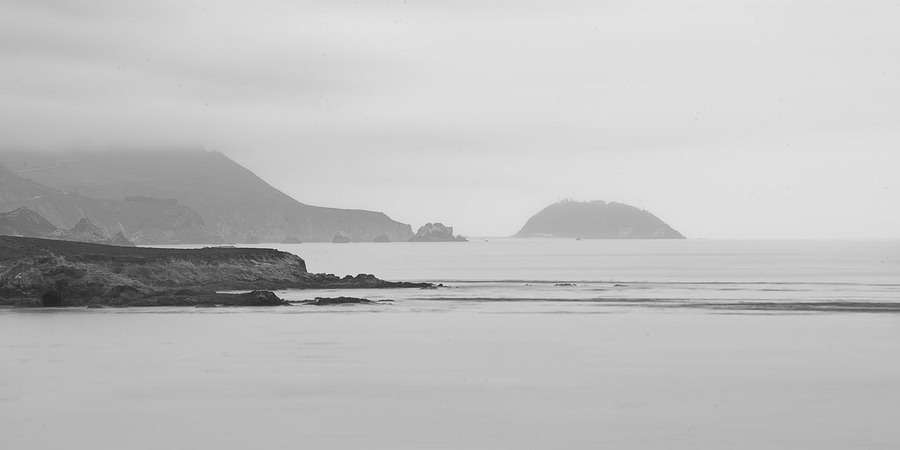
(665, 357)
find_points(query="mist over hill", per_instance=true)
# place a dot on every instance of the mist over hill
(145, 220)
(203, 191)
(597, 220)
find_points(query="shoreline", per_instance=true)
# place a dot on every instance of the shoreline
(41, 272)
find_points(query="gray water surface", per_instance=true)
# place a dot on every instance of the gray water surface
(503, 358)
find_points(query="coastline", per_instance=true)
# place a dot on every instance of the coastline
(42, 272)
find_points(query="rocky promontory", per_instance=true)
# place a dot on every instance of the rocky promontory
(43, 272)
(597, 220)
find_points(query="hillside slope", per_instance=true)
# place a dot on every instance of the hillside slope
(25, 222)
(235, 204)
(144, 220)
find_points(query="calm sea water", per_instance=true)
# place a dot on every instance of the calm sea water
(533, 344)
(695, 273)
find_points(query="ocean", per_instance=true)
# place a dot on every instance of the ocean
(536, 343)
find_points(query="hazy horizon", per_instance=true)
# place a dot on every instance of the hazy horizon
(179, 298)
(738, 119)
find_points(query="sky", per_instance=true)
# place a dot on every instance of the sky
(726, 118)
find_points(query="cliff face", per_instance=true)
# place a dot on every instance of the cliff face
(598, 220)
(35, 272)
(235, 205)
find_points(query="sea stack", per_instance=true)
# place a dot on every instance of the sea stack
(436, 232)
(597, 220)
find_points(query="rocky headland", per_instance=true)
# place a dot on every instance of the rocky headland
(43, 272)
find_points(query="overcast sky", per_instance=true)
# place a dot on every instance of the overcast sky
(727, 118)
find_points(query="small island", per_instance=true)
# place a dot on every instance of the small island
(597, 220)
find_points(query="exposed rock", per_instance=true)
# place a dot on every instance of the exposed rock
(322, 301)
(436, 232)
(597, 219)
(254, 298)
(363, 280)
(42, 272)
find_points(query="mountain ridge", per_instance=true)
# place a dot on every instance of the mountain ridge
(234, 204)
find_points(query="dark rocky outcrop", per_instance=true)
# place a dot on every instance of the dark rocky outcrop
(363, 281)
(36, 272)
(598, 220)
(436, 232)
(325, 301)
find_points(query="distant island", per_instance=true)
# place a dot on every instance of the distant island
(43, 272)
(175, 197)
(597, 220)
